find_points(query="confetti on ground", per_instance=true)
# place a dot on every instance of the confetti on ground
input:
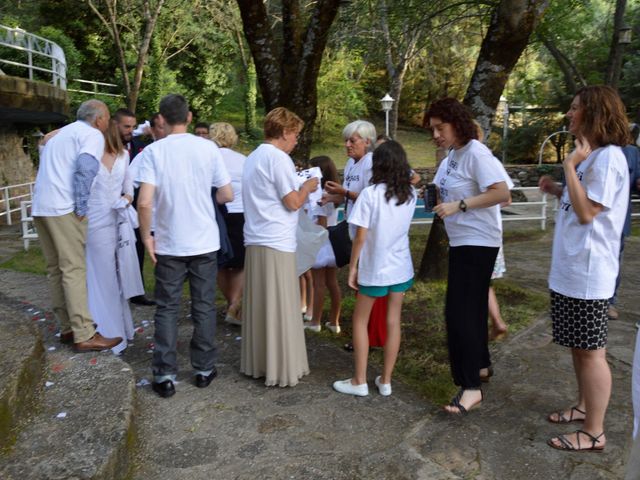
(57, 335)
(57, 368)
(51, 349)
(139, 329)
(238, 338)
(93, 361)
(61, 415)
(142, 383)
(149, 351)
(125, 370)
(48, 384)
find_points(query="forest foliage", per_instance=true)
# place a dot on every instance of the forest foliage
(197, 47)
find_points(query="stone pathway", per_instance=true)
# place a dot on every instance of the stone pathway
(238, 429)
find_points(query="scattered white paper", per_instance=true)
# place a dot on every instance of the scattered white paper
(149, 351)
(125, 370)
(61, 415)
(238, 338)
(51, 349)
(143, 382)
(48, 384)
(57, 335)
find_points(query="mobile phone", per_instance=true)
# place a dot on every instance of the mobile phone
(430, 197)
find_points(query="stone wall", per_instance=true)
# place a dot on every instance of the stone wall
(522, 175)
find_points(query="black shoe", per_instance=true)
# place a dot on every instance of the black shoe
(164, 389)
(142, 300)
(203, 381)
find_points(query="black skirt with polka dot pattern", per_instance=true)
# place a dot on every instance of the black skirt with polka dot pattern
(578, 323)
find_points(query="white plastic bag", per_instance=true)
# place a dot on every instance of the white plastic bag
(310, 238)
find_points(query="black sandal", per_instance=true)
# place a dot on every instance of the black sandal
(563, 419)
(455, 402)
(568, 446)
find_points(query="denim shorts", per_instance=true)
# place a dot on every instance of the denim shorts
(372, 291)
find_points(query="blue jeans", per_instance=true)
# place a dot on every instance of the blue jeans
(171, 272)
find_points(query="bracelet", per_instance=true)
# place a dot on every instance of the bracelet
(346, 195)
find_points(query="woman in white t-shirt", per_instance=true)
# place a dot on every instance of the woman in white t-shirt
(380, 261)
(231, 273)
(273, 343)
(471, 183)
(360, 138)
(324, 270)
(586, 246)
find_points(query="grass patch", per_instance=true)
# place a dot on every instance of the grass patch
(31, 261)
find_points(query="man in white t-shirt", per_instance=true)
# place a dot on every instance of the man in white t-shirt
(68, 164)
(176, 175)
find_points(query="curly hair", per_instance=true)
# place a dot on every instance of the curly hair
(390, 166)
(223, 134)
(604, 119)
(451, 111)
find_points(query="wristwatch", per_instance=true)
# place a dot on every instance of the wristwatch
(462, 206)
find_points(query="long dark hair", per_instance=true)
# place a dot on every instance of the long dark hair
(327, 167)
(390, 166)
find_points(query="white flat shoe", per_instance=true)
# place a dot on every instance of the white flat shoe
(231, 320)
(383, 388)
(345, 386)
(333, 328)
(312, 327)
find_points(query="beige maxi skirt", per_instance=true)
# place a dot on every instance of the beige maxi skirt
(273, 344)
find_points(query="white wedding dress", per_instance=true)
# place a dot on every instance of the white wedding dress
(107, 304)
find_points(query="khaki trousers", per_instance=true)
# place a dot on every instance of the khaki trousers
(63, 243)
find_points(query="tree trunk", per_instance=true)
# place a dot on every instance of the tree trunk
(288, 70)
(616, 51)
(567, 67)
(435, 259)
(512, 23)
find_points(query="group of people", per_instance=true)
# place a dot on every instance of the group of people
(206, 212)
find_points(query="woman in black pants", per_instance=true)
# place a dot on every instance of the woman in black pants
(471, 183)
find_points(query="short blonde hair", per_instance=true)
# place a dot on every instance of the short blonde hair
(280, 120)
(223, 134)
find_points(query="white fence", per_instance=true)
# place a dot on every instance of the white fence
(43, 49)
(18, 198)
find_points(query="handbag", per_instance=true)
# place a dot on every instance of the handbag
(341, 241)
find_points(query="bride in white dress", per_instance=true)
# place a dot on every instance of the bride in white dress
(107, 302)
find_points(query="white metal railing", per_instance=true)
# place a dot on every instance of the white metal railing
(22, 41)
(95, 88)
(12, 195)
(28, 228)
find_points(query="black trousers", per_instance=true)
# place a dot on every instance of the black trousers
(466, 312)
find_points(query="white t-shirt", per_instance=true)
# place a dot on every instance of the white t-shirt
(234, 162)
(269, 175)
(183, 168)
(464, 173)
(357, 176)
(329, 210)
(385, 258)
(54, 193)
(584, 263)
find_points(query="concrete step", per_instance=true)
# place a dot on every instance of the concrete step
(83, 426)
(22, 363)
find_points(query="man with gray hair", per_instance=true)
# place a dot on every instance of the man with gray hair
(68, 164)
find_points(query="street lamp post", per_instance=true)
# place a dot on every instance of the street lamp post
(387, 104)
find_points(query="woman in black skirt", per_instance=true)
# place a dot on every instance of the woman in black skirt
(584, 265)
(231, 273)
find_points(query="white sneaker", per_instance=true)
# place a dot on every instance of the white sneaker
(307, 318)
(312, 327)
(333, 328)
(345, 386)
(383, 388)
(231, 320)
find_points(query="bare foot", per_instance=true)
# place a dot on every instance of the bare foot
(579, 440)
(498, 332)
(464, 401)
(573, 414)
